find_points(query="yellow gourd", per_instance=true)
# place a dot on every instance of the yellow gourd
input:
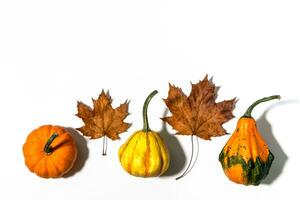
(144, 154)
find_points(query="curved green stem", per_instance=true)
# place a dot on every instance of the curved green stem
(249, 110)
(47, 148)
(145, 109)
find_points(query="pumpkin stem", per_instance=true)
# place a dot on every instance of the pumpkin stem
(47, 148)
(191, 164)
(249, 110)
(104, 146)
(145, 109)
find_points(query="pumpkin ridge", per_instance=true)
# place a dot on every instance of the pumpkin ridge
(54, 164)
(260, 145)
(147, 155)
(38, 165)
(126, 145)
(28, 151)
(39, 133)
(34, 137)
(160, 154)
(35, 168)
(46, 167)
(252, 146)
(263, 146)
(248, 131)
(58, 163)
(260, 170)
(129, 165)
(32, 167)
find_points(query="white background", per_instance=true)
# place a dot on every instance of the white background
(53, 53)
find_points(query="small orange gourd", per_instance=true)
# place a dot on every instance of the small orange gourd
(49, 151)
(246, 158)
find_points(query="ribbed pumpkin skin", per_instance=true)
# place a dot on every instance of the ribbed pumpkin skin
(246, 158)
(56, 163)
(144, 155)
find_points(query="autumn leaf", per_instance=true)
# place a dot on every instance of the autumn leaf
(198, 114)
(103, 120)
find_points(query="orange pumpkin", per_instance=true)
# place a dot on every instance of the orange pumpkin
(49, 151)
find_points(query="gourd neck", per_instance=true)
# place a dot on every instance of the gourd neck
(249, 110)
(48, 149)
(146, 127)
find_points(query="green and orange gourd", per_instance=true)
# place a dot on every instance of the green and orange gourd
(246, 158)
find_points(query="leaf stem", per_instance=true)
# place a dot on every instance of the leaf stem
(249, 110)
(104, 146)
(191, 163)
(146, 127)
(47, 148)
(196, 156)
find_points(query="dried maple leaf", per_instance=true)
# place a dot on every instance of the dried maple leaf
(103, 120)
(198, 114)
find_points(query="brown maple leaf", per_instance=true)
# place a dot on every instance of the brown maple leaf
(198, 114)
(103, 120)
